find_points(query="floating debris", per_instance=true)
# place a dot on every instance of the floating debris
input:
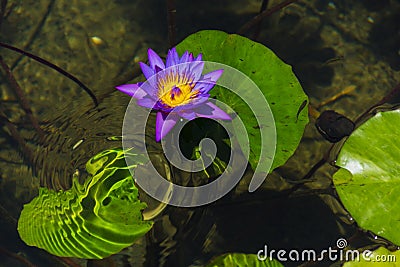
(346, 91)
(97, 41)
(78, 144)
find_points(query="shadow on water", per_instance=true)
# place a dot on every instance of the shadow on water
(385, 38)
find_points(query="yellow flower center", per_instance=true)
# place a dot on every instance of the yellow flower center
(175, 90)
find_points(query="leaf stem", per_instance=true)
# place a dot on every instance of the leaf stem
(54, 67)
(257, 19)
(171, 12)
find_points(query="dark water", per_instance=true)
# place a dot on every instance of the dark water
(330, 44)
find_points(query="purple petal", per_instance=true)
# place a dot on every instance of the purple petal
(211, 111)
(204, 87)
(147, 71)
(164, 125)
(150, 86)
(158, 69)
(185, 57)
(155, 60)
(189, 115)
(161, 107)
(146, 102)
(172, 57)
(198, 58)
(183, 69)
(200, 99)
(197, 69)
(207, 82)
(133, 90)
(213, 76)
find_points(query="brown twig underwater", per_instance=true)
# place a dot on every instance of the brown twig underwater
(13, 132)
(171, 14)
(34, 34)
(17, 257)
(21, 98)
(257, 30)
(55, 67)
(3, 6)
(257, 19)
(346, 91)
(393, 93)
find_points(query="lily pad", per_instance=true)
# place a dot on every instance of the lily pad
(274, 78)
(93, 220)
(380, 257)
(368, 182)
(242, 260)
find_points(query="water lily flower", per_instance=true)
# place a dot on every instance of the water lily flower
(176, 89)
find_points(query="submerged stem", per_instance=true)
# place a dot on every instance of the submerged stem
(3, 6)
(26, 151)
(16, 256)
(257, 19)
(21, 98)
(55, 67)
(258, 25)
(171, 9)
(395, 92)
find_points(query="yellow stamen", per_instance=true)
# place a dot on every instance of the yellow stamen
(175, 90)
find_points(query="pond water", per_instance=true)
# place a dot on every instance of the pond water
(332, 46)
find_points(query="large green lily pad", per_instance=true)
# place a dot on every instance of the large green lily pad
(274, 78)
(242, 260)
(368, 182)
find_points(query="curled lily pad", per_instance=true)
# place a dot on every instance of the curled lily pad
(368, 182)
(242, 260)
(93, 220)
(274, 78)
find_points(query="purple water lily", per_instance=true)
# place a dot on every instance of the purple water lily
(176, 89)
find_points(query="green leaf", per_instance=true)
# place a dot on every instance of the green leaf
(93, 220)
(242, 260)
(369, 183)
(380, 257)
(274, 78)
